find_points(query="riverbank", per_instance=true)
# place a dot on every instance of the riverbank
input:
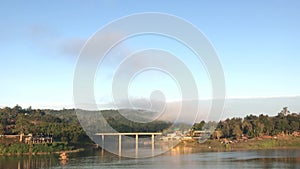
(44, 153)
(37, 149)
(284, 142)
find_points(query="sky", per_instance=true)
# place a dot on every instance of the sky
(257, 43)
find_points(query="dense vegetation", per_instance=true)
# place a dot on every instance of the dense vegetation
(64, 126)
(19, 148)
(262, 125)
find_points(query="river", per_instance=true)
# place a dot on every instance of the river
(174, 159)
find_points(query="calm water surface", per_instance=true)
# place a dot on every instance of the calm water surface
(175, 159)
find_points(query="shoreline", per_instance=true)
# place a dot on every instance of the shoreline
(44, 153)
(192, 146)
(286, 142)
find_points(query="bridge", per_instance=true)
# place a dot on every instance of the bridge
(129, 134)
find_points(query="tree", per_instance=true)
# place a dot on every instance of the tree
(258, 128)
(1, 129)
(247, 128)
(224, 127)
(15, 110)
(234, 125)
(282, 125)
(237, 132)
(198, 126)
(284, 112)
(210, 126)
(250, 123)
(268, 124)
(294, 126)
(22, 124)
(217, 134)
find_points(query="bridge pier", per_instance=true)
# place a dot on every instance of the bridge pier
(102, 141)
(120, 145)
(152, 144)
(136, 140)
(136, 145)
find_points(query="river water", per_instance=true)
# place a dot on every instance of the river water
(174, 159)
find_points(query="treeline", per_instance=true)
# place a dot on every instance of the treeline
(262, 125)
(63, 125)
(19, 148)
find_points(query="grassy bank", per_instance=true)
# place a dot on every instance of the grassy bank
(271, 143)
(21, 149)
(251, 144)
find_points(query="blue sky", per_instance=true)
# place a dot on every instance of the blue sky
(257, 42)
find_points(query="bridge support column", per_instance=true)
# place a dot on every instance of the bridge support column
(120, 145)
(102, 144)
(129, 134)
(152, 143)
(136, 145)
(102, 141)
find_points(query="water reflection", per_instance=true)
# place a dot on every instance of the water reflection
(180, 150)
(140, 147)
(270, 159)
(179, 157)
(28, 162)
